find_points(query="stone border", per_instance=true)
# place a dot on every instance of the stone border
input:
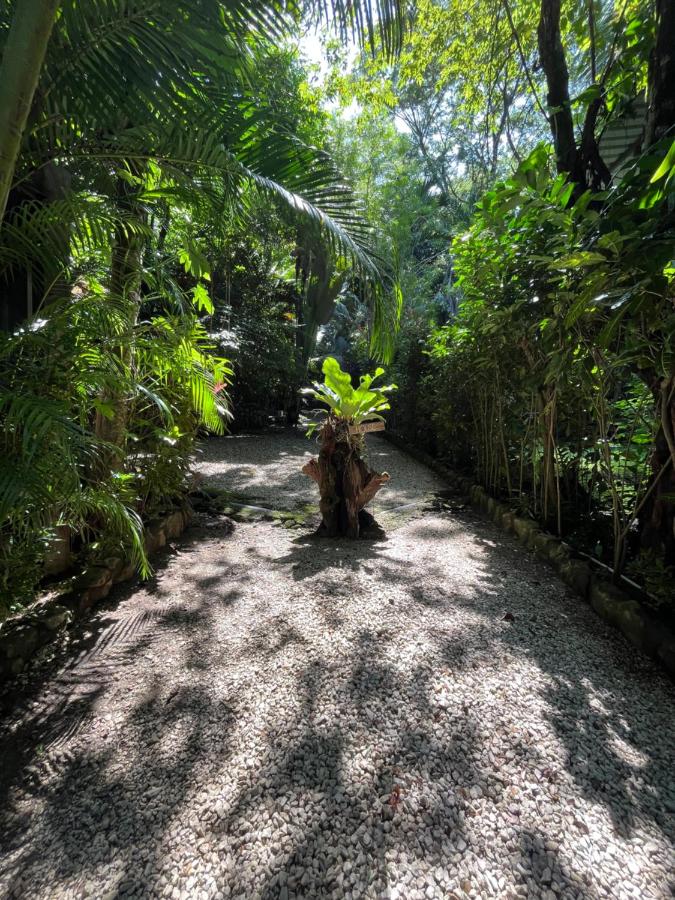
(610, 602)
(24, 634)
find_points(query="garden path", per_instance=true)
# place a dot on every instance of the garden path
(274, 715)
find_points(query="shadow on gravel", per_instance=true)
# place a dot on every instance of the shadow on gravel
(65, 692)
(312, 554)
(613, 753)
(354, 823)
(100, 805)
(99, 811)
(116, 802)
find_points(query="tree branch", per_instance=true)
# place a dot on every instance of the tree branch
(523, 60)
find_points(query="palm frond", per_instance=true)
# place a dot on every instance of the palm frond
(50, 237)
(374, 23)
(121, 521)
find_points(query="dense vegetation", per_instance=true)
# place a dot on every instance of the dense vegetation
(537, 350)
(179, 249)
(140, 145)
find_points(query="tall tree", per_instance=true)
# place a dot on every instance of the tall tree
(661, 116)
(22, 60)
(554, 64)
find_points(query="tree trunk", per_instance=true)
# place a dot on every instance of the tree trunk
(125, 282)
(22, 61)
(657, 519)
(346, 484)
(661, 94)
(547, 416)
(554, 64)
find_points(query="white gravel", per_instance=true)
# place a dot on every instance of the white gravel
(281, 716)
(267, 469)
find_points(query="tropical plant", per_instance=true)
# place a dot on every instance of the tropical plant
(346, 483)
(55, 376)
(548, 383)
(127, 122)
(348, 404)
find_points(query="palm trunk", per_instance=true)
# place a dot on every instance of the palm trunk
(346, 484)
(125, 282)
(19, 75)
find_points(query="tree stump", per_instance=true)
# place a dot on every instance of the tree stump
(346, 484)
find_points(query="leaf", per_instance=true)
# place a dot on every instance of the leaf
(194, 262)
(592, 92)
(338, 381)
(666, 166)
(337, 392)
(201, 299)
(578, 260)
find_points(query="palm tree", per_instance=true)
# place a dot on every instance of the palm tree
(129, 82)
(136, 105)
(108, 56)
(22, 60)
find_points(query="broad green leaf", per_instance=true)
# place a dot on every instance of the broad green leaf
(666, 166)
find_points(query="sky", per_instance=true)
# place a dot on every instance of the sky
(312, 49)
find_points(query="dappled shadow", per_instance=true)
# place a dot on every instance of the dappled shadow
(268, 469)
(311, 554)
(248, 464)
(540, 867)
(63, 694)
(349, 822)
(279, 716)
(596, 690)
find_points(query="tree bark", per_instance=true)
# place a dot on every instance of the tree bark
(346, 484)
(554, 64)
(125, 282)
(661, 93)
(657, 520)
(22, 61)
(596, 172)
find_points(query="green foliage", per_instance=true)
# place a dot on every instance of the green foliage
(658, 578)
(364, 403)
(255, 300)
(159, 131)
(546, 382)
(174, 201)
(21, 559)
(55, 375)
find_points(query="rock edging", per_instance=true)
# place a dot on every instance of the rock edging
(611, 603)
(23, 635)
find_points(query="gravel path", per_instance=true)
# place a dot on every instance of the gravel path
(267, 470)
(433, 715)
